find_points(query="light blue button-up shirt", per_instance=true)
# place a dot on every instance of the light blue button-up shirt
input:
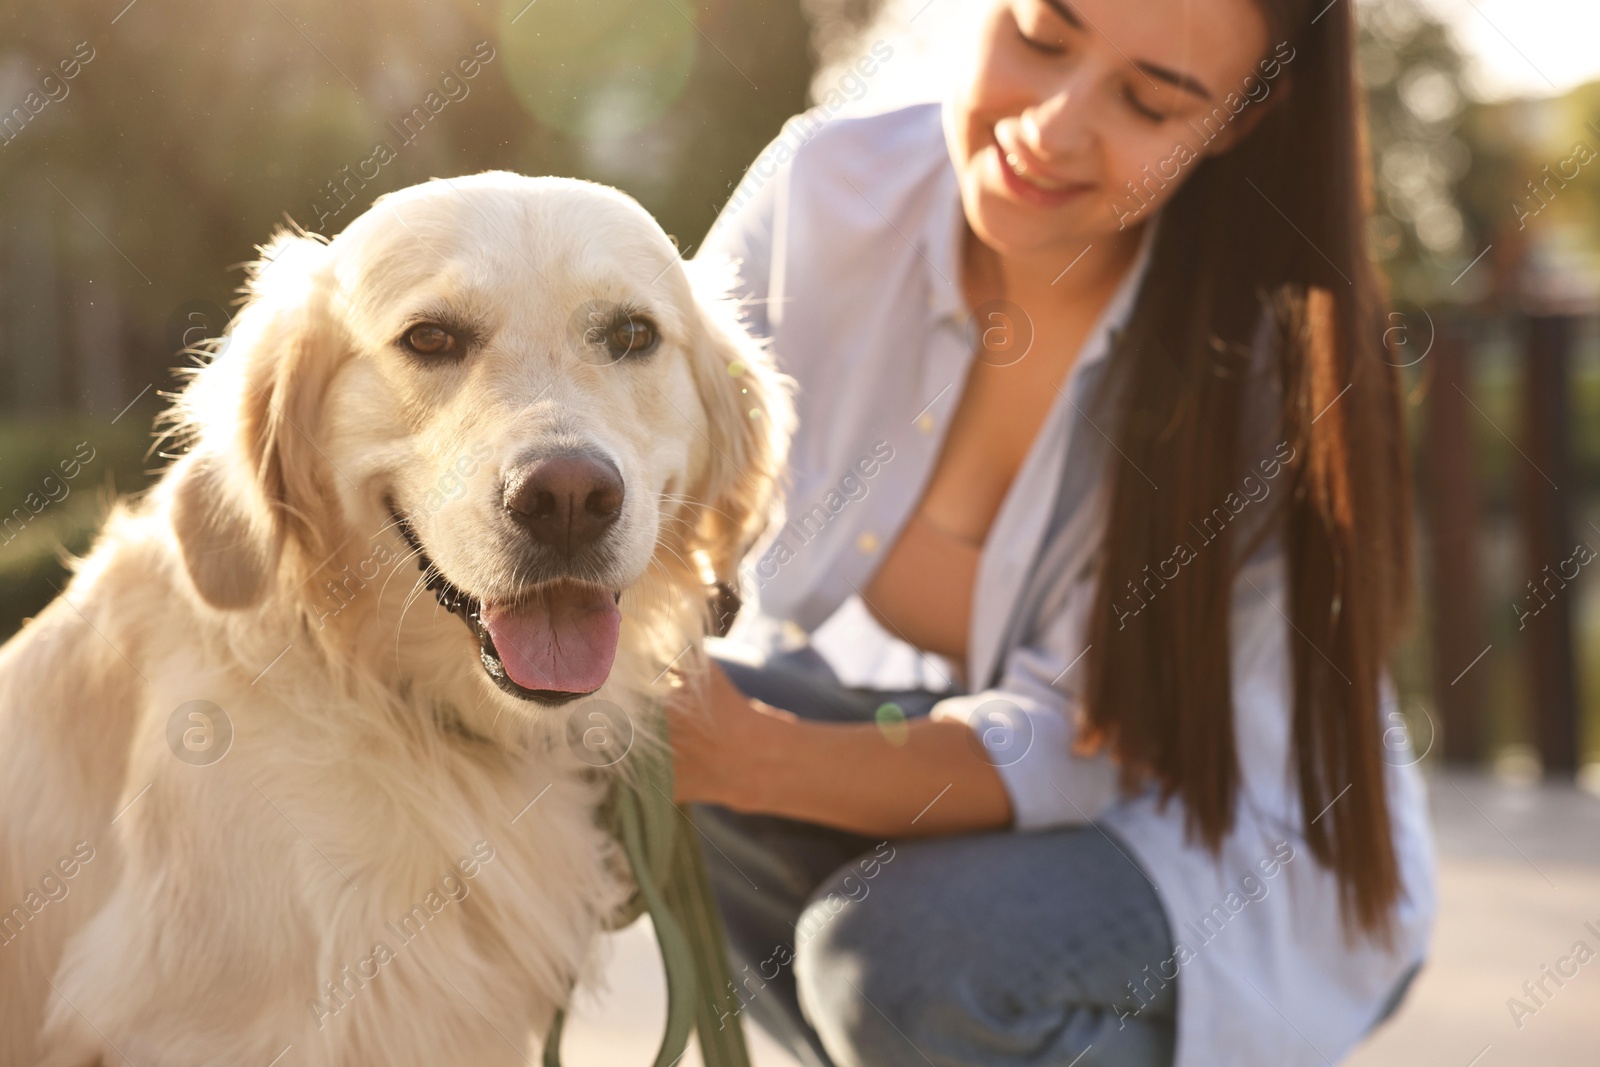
(845, 245)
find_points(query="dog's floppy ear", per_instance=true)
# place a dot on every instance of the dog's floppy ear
(750, 415)
(255, 484)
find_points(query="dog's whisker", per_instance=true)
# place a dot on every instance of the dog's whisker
(411, 554)
(679, 498)
(662, 585)
(393, 524)
(682, 520)
(418, 587)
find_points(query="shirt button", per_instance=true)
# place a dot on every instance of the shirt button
(867, 541)
(926, 422)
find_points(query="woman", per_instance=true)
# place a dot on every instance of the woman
(1095, 417)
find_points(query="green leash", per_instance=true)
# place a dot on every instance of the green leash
(673, 888)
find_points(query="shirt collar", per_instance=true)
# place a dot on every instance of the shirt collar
(942, 234)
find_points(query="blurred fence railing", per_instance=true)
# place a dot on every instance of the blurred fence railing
(1547, 490)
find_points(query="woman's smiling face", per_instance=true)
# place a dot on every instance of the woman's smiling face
(1070, 100)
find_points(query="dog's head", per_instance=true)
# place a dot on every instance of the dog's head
(513, 375)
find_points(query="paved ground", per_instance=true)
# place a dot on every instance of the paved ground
(1519, 878)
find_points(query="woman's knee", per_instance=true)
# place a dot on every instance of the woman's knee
(859, 980)
(915, 958)
(853, 1000)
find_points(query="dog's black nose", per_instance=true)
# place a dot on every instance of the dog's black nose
(565, 501)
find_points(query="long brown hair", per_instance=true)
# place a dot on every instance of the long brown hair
(1279, 221)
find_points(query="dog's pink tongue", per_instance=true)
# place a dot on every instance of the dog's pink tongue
(564, 641)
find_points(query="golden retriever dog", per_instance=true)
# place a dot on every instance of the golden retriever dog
(263, 798)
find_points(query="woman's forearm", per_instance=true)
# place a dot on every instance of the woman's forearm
(913, 778)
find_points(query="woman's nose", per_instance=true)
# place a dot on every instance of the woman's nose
(1058, 126)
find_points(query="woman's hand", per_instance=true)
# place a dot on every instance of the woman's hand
(718, 738)
(924, 777)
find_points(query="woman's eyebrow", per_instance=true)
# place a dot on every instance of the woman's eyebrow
(1068, 15)
(1172, 77)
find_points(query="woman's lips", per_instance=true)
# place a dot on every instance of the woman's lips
(1022, 178)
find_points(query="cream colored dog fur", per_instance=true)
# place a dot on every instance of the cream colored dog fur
(394, 860)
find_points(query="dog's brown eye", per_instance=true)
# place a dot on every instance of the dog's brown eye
(631, 335)
(430, 339)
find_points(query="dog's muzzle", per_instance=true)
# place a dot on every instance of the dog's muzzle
(553, 644)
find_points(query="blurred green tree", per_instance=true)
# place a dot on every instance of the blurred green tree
(1416, 95)
(197, 128)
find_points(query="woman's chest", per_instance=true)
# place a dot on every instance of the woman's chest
(925, 587)
(995, 426)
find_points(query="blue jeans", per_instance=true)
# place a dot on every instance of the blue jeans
(977, 950)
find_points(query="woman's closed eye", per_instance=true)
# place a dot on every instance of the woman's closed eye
(1141, 109)
(1045, 43)
(1042, 45)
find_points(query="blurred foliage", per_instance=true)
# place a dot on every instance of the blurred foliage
(1534, 191)
(197, 128)
(1415, 98)
(49, 513)
(1518, 180)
